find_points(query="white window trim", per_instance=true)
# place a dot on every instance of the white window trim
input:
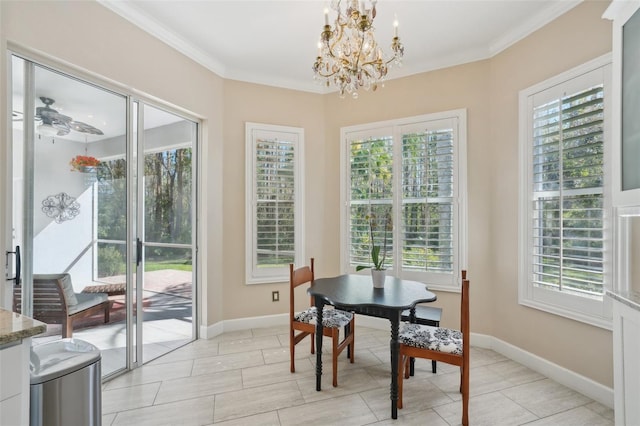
(590, 311)
(271, 275)
(446, 282)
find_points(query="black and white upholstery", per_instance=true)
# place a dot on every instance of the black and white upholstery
(332, 318)
(439, 344)
(303, 324)
(433, 338)
(425, 315)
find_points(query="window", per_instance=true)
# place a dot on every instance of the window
(564, 250)
(406, 180)
(274, 226)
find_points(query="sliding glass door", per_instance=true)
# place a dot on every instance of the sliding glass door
(104, 191)
(166, 192)
(62, 128)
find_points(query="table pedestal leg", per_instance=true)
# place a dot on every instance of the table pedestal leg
(395, 349)
(319, 331)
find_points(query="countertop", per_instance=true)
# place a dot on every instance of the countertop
(629, 298)
(15, 327)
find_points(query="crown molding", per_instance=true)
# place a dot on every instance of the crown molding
(139, 19)
(531, 25)
(129, 12)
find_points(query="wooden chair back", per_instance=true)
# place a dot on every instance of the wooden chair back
(305, 275)
(464, 316)
(297, 277)
(462, 360)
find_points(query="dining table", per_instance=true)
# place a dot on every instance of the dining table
(356, 293)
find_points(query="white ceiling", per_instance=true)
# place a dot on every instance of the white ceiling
(274, 42)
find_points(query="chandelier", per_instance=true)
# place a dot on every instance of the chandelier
(348, 55)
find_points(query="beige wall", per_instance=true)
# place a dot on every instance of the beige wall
(574, 38)
(489, 90)
(94, 39)
(89, 36)
(452, 88)
(245, 102)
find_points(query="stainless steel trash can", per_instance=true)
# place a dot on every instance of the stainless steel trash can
(65, 384)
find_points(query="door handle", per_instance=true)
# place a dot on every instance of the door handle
(138, 251)
(18, 265)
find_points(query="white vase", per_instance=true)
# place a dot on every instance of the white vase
(378, 276)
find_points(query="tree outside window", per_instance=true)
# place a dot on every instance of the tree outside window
(408, 170)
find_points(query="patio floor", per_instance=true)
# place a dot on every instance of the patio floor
(167, 320)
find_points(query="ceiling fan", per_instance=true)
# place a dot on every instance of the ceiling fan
(56, 124)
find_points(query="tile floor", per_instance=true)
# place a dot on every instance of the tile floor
(243, 378)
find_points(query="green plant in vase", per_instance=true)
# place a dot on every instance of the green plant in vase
(378, 252)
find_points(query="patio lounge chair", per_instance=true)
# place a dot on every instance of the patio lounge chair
(55, 302)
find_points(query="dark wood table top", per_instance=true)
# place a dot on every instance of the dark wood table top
(358, 291)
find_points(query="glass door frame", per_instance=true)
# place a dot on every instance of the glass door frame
(136, 235)
(145, 147)
(28, 143)
(33, 59)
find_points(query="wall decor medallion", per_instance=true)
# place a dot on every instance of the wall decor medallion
(60, 207)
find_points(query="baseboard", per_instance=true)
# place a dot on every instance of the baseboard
(256, 322)
(243, 324)
(575, 381)
(372, 322)
(211, 331)
(568, 378)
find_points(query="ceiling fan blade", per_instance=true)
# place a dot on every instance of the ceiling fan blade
(63, 123)
(79, 126)
(52, 115)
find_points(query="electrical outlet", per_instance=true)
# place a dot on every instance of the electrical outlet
(275, 296)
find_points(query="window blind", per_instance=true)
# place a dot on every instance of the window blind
(568, 173)
(275, 202)
(427, 201)
(371, 195)
(403, 186)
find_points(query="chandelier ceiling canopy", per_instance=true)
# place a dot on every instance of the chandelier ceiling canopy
(348, 55)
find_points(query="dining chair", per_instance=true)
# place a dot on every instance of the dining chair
(439, 344)
(425, 315)
(305, 322)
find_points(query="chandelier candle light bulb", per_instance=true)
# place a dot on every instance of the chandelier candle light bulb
(348, 55)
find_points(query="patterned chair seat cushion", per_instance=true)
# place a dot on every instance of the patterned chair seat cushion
(331, 318)
(433, 338)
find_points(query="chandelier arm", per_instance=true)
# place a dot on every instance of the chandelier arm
(327, 75)
(368, 74)
(359, 50)
(337, 38)
(376, 62)
(330, 51)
